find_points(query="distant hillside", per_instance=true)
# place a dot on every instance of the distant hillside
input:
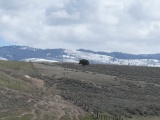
(19, 53)
(24, 53)
(121, 55)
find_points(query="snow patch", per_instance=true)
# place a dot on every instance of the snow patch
(28, 48)
(48, 54)
(38, 60)
(28, 77)
(1, 58)
(74, 55)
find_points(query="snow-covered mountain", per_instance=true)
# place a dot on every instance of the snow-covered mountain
(24, 53)
(1, 58)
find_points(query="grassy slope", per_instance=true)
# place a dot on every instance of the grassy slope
(114, 90)
(14, 91)
(118, 90)
(23, 98)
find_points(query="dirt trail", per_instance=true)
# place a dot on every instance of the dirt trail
(52, 105)
(59, 107)
(66, 108)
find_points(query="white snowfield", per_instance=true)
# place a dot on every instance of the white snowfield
(38, 60)
(74, 55)
(1, 58)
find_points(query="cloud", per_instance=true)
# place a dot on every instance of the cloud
(110, 25)
(144, 10)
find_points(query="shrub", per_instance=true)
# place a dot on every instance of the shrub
(84, 62)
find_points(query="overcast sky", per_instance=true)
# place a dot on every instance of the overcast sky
(130, 26)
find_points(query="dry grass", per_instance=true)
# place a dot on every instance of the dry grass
(145, 118)
(32, 91)
(24, 96)
(118, 90)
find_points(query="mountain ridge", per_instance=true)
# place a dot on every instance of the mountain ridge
(25, 53)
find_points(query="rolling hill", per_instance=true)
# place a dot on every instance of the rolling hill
(24, 53)
(69, 91)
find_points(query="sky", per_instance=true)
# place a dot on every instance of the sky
(129, 26)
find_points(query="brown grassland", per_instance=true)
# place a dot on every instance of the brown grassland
(34, 91)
